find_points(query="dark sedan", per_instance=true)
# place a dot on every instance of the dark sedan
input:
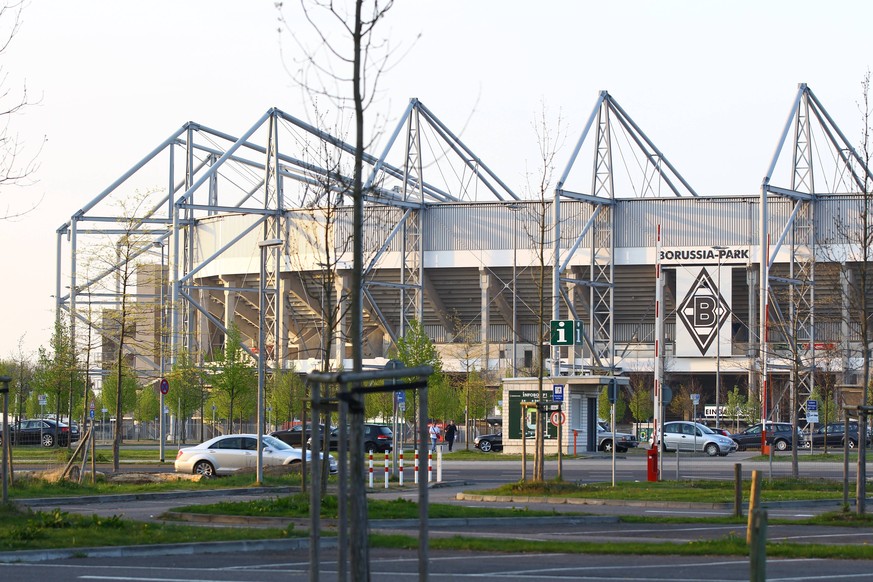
(489, 442)
(778, 435)
(39, 431)
(377, 438)
(295, 436)
(834, 434)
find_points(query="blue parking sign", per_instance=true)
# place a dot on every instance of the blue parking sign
(558, 392)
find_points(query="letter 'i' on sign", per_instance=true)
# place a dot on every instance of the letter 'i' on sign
(563, 332)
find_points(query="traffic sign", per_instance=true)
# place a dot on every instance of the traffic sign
(558, 418)
(812, 411)
(695, 399)
(165, 386)
(400, 399)
(558, 392)
(91, 412)
(563, 332)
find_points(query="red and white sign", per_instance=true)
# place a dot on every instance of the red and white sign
(558, 418)
(165, 386)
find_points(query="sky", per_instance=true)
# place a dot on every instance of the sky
(711, 83)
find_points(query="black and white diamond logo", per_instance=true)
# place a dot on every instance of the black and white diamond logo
(703, 311)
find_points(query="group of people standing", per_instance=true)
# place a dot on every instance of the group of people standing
(435, 432)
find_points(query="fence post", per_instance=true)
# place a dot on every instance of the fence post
(753, 504)
(758, 546)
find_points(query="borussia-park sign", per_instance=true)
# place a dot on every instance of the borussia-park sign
(704, 255)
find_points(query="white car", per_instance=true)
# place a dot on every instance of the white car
(227, 454)
(693, 436)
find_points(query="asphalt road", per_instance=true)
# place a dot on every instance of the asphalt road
(293, 564)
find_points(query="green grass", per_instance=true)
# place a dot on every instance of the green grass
(297, 506)
(26, 488)
(700, 491)
(36, 453)
(730, 545)
(29, 530)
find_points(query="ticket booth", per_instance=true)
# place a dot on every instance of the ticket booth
(571, 408)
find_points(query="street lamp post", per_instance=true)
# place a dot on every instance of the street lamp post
(718, 250)
(162, 323)
(5, 390)
(265, 246)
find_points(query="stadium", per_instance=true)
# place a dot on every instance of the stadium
(764, 292)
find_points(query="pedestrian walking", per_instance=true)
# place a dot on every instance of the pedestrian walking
(434, 436)
(451, 432)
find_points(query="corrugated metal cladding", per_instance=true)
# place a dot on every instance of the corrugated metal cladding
(695, 221)
(684, 222)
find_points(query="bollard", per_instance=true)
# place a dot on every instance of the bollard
(416, 467)
(440, 465)
(400, 467)
(371, 470)
(386, 469)
(738, 490)
(429, 467)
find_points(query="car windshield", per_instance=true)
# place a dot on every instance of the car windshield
(705, 429)
(275, 443)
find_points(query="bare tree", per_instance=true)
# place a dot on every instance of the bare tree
(17, 166)
(541, 231)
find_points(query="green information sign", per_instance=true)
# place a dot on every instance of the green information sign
(563, 332)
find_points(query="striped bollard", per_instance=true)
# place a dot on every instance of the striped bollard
(416, 467)
(386, 469)
(400, 467)
(439, 465)
(371, 469)
(429, 467)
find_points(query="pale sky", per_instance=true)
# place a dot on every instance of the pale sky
(711, 83)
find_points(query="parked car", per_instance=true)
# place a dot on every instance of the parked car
(227, 454)
(36, 431)
(489, 442)
(605, 439)
(834, 434)
(692, 436)
(721, 431)
(778, 435)
(295, 436)
(377, 438)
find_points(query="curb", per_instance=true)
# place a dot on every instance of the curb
(637, 504)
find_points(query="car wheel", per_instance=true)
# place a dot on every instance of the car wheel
(606, 446)
(852, 443)
(781, 445)
(370, 446)
(484, 446)
(204, 468)
(48, 440)
(711, 449)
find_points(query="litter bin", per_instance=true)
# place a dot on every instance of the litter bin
(652, 464)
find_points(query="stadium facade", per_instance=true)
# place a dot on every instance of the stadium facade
(763, 291)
